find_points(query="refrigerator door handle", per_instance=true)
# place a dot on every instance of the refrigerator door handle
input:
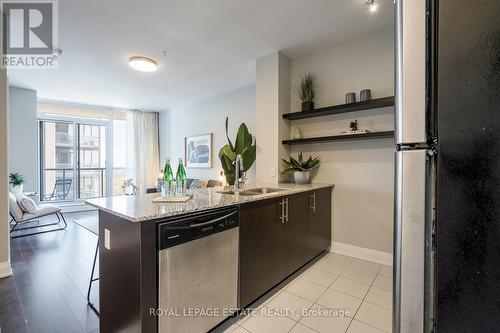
(410, 104)
(409, 241)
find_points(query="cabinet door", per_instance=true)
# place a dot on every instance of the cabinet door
(296, 239)
(321, 220)
(260, 249)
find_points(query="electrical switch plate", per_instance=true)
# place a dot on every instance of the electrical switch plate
(273, 172)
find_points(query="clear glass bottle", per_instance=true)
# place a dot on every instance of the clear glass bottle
(180, 179)
(168, 178)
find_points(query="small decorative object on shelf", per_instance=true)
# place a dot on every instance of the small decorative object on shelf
(128, 187)
(365, 95)
(354, 126)
(16, 182)
(307, 91)
(301, 169)
(354, 129)
(297, 133)
(350, 97)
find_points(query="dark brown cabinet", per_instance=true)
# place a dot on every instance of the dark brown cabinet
(261, 232)
(320, 225)
(296, 242)
(278, 236)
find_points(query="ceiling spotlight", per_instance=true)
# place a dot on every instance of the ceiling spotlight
(372, 6)
(143, 64)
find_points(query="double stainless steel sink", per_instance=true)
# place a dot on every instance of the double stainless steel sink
(252, 191)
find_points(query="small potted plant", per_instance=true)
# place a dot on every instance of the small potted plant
(301, 169)
(307, 91)
(16, 182)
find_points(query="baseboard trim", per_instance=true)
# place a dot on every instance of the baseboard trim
(5, 269)
(379, 257)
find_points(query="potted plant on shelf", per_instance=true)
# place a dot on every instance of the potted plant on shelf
(16, 182)
(301, 169)
(307, 91)
(244, 145)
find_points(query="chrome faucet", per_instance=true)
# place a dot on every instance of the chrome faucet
(238, 167)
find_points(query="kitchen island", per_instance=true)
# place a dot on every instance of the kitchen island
(281, 228)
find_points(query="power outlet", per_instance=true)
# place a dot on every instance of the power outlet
(107, 241)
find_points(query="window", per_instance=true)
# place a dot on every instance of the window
(80, 150)
(56, 162)
(64, 157)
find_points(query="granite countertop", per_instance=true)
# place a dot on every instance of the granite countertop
(142, 208)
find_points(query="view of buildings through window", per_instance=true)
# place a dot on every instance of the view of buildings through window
(77, 161)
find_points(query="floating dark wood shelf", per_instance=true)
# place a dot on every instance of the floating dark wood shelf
(369, 135)
(343, 108)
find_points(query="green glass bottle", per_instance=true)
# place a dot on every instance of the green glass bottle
(180, 178)
(168, 178)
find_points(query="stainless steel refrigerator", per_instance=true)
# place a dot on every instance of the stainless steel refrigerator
(447, 188)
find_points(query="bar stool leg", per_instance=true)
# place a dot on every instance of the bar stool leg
(92, 280)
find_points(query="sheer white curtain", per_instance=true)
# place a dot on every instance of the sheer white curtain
(143, 151)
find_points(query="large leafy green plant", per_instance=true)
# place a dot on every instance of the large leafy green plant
(300, 164)
(244, 145)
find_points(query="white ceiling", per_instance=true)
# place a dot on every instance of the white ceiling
(211, 46)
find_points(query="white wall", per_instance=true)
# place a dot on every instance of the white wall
(23, 140)
(361, 170)
(4, 204)
(205, 117)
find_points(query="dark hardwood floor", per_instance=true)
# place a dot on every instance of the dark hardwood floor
(48, 289)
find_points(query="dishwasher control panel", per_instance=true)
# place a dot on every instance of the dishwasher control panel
(195, 226)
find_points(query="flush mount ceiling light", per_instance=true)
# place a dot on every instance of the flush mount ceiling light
(143, 64)
(372, 5)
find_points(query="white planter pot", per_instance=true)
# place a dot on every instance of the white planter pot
(16, 190)
(302, 177)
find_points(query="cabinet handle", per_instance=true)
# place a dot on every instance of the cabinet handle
(286, 216)
(282, 216)
(314, 202)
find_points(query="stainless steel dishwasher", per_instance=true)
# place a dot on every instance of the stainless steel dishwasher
(198, 271)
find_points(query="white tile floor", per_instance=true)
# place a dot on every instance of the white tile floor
(336, 294)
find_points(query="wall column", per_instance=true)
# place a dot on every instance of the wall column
(272, 100)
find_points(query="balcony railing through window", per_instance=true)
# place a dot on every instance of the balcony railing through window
(58, 184)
